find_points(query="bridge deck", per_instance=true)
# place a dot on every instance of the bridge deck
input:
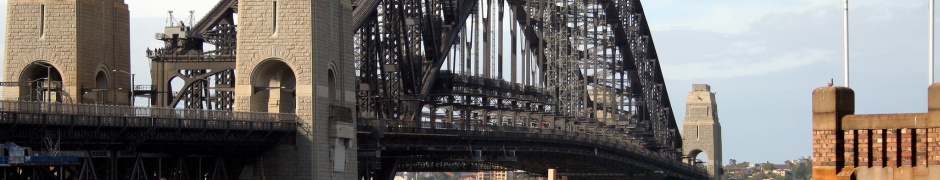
(144, 129)
(530, 147)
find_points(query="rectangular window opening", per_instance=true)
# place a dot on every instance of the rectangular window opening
(42, 19)
(274, 19)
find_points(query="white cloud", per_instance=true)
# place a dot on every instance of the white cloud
(743, 66)
(726, 17)
(738, 16)
(180, 8)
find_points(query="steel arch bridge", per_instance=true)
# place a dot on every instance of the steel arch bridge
(467, 85)
(579, 69)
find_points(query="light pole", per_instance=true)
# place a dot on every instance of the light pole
(48, 80)
(131, 86)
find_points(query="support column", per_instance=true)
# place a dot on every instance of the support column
(933, 131)
(830, 104)
(433, 118)
(387, 169)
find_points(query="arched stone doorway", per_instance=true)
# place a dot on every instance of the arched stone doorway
(273, 83)
(698, 158)
(331, 80)
(101, 91)
(41, 82)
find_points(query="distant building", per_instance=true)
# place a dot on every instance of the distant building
(701, 131)
(492, 175)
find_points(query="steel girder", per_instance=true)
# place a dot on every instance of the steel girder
(529, 149)
(184, 57)
(595, 60)
(402, 45)
(131, 165)
(632, 33)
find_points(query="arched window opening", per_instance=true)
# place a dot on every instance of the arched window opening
(331, 80)
(100, 92)
(273, 85)
(40, 82)
(698, 158)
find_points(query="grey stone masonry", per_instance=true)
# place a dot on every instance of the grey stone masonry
(701, 132)
(79, 38)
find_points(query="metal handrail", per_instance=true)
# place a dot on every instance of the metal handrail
(131, 111)
(524, 132)
(144, 87)
(341, 114)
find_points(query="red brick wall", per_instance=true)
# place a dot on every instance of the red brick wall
(906, 147)
(824, 148)
(920, 147)
(886, 147)
(849, 142)
(877, 148)
(933, 146)
(864, 147)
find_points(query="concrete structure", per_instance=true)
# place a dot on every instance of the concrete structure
(295, 56)
(76, 43)
(873, 146)
(701, 132)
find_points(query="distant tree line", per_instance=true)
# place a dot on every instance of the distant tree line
(801, 169)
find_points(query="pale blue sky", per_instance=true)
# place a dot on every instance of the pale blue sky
(762, 57)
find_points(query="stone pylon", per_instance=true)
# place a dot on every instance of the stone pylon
(701, 132)
(67, 51)
(296, 56)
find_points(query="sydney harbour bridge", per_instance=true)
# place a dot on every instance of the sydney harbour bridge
(568, 87)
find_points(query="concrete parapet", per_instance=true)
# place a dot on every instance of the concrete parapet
(885, 121)
(933, 105)
(830, 104)
(873, 146)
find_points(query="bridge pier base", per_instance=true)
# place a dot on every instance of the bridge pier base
(387, 170)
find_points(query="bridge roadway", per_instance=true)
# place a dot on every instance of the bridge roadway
(435, 146)
(137, 142)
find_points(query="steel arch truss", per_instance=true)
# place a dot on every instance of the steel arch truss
(183, 57)
(592, 64)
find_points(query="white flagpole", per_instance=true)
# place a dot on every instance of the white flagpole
(845, 40)
(930, 45)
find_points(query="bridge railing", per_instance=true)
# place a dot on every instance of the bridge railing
(508, 131)
(129, 111)
(516, 132)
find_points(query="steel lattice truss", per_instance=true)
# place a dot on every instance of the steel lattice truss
(208, 75)
(587, 66)
(576, 65)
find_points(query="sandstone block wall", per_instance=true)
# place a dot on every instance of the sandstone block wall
(78, 37)
(701, 131)
(311, 37)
